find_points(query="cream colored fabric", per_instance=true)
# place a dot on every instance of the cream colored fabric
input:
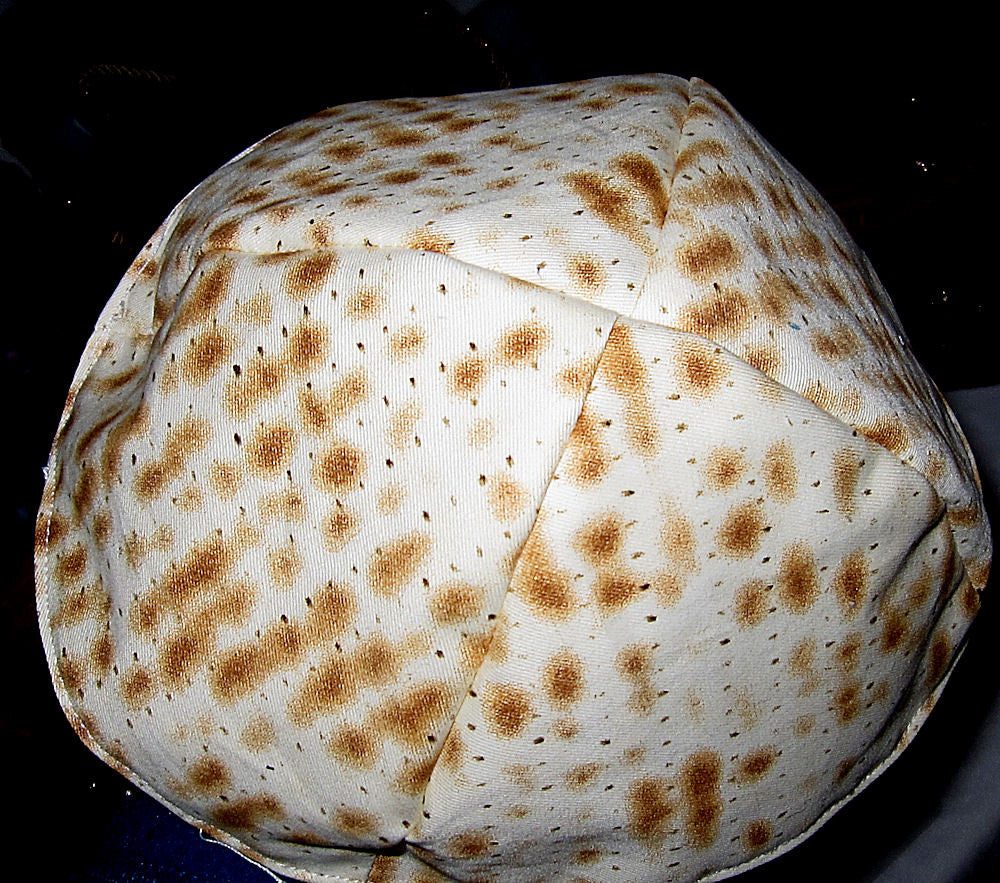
(532, 485)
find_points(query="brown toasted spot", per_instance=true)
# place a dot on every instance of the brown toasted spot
(798, 578)
(700, 781)
(89, 602)
(85, 491)
(264, 376)
(806, 245)
(507, 709)
(355, 822)
(563, 679)
(848, 651)
(847, 702)
(102, 654)
(270, 449)
(340, 525)
(425, 240)
(608, 201)
(614, 589)
(586, 272)
(247, 813)
(365, 303)
(507, 498)
(780, 471)
(344, 151)
(850, 583)
(700, 368)
(740, 534)
(724, 468)
(650, 810)
(389, 135)
(835, 346)
(333, 609)
(441, 158)
(669, 587)
(137, 687)
(310, 273)
(804, 725)
(204, 300)
(466, 375)
(710, 148)
(242, 668)
(844, 769)
(469, 844)
(719, 188)
(920, 589)
(940, 654)
(723, 313)
(51, 531)
(635, 664)
(969, 599)
(600, 540)
(452, 752)
(410, 717)
(678, 539)
(521, 345)
(644, 174)
(846, 471)
(623, 366)
(588, 458)
(71, 672)
(887, 430)
(324, 690)
(756, 764)
(185, 439)
(402, 176)
(284, 565)
(394, 564)
(339, 467)
(407, 342)
(757, 835)
(209, 774)
(776, 294)
(225, 479)
(182, 654)
(708, 257)
(538, 580)
(965, 516)
(413, 777)
(319, 410)
(307, 345)
(454, 602)
(752, 602)
(437, 116)
(504, 183)
(205, 355)
(70, 566)
(583, 775)
(763, 357)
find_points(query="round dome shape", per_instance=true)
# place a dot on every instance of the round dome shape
(527, 485)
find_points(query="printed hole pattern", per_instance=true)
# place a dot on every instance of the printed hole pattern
(513, 486)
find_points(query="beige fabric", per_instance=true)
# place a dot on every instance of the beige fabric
(532, 485)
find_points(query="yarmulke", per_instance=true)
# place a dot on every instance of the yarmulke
(528, 485)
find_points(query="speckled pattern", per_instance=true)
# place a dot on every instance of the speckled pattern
(524, 486)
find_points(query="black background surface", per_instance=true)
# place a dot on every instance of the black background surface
(111, 111)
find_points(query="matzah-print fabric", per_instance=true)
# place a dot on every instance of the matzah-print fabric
(521, 486)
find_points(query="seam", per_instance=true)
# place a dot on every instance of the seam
(516, 562)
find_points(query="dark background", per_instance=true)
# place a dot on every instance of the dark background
(111, 111)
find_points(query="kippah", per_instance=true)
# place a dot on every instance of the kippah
(516, 486)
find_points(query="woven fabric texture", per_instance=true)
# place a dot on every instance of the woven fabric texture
(529, 485)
